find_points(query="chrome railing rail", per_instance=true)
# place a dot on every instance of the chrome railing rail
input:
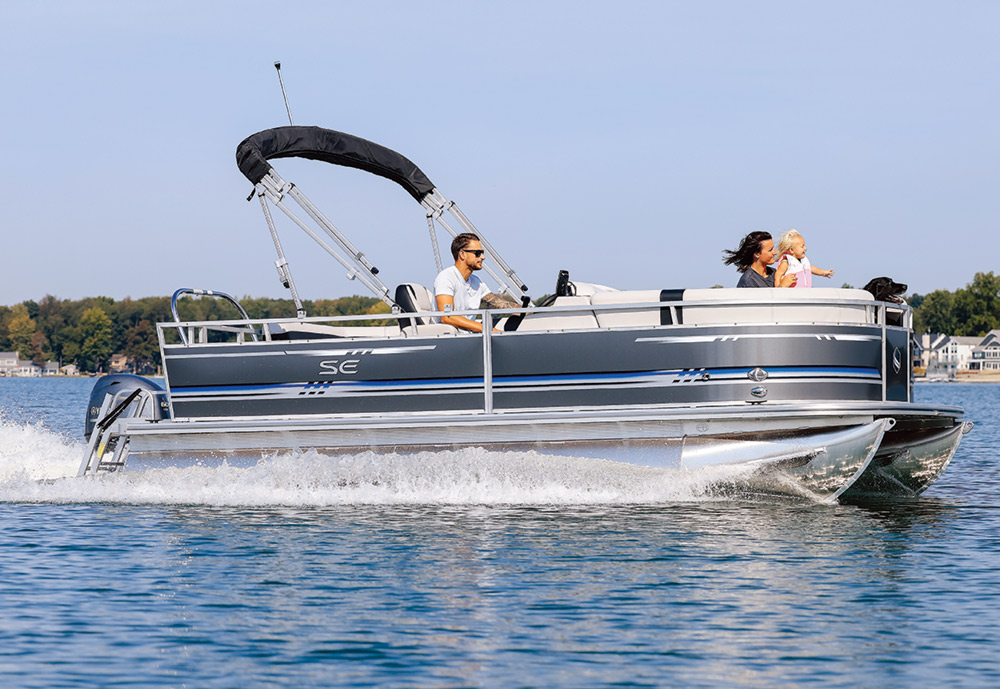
(875, 309)
(206, 293)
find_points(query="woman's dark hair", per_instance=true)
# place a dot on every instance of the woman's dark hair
(743, 257)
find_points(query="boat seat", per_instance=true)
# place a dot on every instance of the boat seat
(707, 314)
(314, 331)
(778, 312)
(429, 329)
(574, 320)
(639, 317)
(413, 298)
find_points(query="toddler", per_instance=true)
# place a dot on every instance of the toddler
(793, 261)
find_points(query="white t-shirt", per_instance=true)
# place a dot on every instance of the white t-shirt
(467, 294)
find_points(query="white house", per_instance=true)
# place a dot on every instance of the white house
(986, 355)
(928, 344)
(8, 363)
(28, 369)
(951, 353)
(917, 346)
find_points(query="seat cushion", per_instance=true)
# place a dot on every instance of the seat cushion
(412, 297)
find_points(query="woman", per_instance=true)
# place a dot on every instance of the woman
(753, 258)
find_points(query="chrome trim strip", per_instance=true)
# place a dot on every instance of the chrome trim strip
(756, 336)
(310, 352)
(702, 412)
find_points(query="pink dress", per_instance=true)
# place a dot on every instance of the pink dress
(800, 268)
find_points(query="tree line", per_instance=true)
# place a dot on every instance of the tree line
(971, 311)
(88, 332)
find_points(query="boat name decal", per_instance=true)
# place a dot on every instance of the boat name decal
(335, 367)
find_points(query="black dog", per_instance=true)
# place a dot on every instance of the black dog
(885, 289)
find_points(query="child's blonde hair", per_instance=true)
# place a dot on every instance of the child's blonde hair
(785, 241)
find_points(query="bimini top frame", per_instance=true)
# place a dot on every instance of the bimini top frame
(337, 148)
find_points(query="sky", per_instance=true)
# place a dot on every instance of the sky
(629, 142)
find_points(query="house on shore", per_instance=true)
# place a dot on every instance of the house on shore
(26, 368)
(986, 355)
(12, 365)
(8, 363)
(950, 354)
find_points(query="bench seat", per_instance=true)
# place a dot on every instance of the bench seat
(777, 306)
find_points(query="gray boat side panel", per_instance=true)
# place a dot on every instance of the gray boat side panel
(897, 363)
(679, 347)
(335, 359)
(530, 370)
(359, 404)
(524, 354)
(696, 392)
(470, 397)
(596, 395)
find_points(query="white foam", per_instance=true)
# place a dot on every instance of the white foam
(37, 465)
(32, 452)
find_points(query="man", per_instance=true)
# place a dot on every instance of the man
(456, 288)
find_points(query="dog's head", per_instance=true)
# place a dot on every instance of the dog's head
(886, 289)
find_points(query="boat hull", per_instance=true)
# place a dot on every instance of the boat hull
(817, 451)
(905, 466)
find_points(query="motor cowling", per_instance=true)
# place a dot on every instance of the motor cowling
(118, 382)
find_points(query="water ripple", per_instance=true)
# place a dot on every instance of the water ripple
(433, 579)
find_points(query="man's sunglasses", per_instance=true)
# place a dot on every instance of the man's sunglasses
(475, 252)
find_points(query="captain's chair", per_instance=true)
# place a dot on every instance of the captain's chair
(413, 298)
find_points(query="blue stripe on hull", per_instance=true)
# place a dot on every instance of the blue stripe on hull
(452, 384)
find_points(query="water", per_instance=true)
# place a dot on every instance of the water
(481, 569)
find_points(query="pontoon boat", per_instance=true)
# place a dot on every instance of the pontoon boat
(805, 392)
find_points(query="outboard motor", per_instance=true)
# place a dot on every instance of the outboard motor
(112, 385)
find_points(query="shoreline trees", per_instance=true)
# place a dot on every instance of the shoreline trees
(973, 310)
(90, 331)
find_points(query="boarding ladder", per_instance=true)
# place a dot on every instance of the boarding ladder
(107, 448)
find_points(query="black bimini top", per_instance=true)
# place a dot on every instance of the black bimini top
(332, 147)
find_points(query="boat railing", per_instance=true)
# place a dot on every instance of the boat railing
(186, 336)
(875, 315)
(263, 329)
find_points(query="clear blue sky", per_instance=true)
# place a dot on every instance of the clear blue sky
(629, 142)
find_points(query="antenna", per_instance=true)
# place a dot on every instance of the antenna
(277, 66)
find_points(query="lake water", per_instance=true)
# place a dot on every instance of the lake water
(481, 569)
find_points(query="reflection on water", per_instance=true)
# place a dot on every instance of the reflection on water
(714, 593)
(508, 573)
